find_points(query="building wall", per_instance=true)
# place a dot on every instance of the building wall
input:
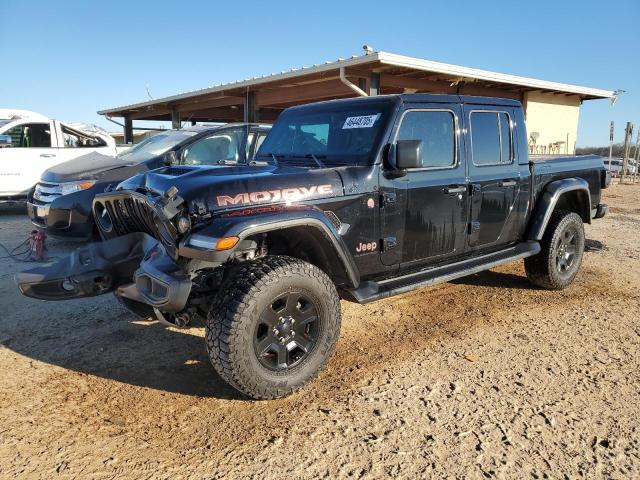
(555, 118)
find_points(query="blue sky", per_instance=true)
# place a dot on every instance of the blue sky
(70, 59)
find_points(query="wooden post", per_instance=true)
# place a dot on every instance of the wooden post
(175, 119)
(128, 130)
(628, 132)
(374, 85)
(610, 145)
(250, 108)
(635, 171)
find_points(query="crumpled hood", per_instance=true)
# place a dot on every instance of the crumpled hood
(231, 187)
(89, 167)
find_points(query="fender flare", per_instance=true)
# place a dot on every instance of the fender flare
(249, 225)
(547, 201)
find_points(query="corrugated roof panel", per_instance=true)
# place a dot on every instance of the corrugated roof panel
(386, 58)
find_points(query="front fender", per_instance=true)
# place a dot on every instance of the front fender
(250, 224)
(547, 201)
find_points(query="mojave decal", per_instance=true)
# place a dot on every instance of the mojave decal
(268, 196)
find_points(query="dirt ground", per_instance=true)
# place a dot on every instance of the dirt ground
(482, 377)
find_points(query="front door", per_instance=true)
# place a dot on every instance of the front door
(31, 152)
(495, 177)
(431, 199)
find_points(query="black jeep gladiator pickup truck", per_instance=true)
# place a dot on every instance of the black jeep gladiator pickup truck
(358, 199)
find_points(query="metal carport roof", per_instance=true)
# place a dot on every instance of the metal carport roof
(262, 98)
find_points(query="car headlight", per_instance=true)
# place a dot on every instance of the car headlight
(70, 187)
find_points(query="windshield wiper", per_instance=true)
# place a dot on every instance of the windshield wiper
(272, 155)
(316, 159)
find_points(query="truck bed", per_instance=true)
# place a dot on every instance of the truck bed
(547, 168)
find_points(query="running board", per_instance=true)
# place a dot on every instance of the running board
(372, 291)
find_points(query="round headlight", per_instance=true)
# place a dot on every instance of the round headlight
(183, 224)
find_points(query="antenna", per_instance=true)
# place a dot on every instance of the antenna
(147, 89)
(367, 49)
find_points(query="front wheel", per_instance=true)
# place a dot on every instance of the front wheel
(557, 264)
(273, 326)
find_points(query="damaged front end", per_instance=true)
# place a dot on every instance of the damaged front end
(137, 260)
(135, 266)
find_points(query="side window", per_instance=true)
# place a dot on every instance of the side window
(221, 147)
(73, 139)
(30, 135)
(491, 138)
(436, 129)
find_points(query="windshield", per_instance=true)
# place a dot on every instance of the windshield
(156, 145)
(4, 122)
(327, 134)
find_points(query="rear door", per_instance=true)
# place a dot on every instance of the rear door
(74, 144)
(495, 176)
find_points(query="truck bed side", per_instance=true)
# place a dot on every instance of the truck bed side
(546, 169)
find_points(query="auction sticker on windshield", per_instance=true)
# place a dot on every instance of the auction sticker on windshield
(363, 121)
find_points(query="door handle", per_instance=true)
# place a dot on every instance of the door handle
(47, 155)
(452, 190)
(508, 183)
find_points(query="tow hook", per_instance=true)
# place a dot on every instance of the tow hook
(179, 320)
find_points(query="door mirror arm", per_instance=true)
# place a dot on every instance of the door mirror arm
(389, 159)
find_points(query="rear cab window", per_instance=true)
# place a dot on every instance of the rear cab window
(491, 138)
(74, 139)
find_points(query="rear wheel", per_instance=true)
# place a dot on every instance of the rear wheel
(557, 264)
(273, 326)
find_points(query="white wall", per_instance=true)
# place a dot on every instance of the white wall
(555, 118)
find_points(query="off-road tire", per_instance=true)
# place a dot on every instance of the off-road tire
(235, 314)
(139, 309)
(542, 269)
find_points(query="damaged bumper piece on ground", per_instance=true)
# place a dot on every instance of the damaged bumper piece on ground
(135, 266)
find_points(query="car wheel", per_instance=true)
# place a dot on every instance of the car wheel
(273, 326)
(557, 264)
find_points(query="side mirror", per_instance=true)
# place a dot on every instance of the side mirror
(170, 158)
(5, 141)
(408, 154)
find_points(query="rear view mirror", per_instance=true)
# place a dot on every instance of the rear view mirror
(408, 154)
(170, 158)
(5, 141)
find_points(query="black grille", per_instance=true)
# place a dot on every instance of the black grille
(122, 213)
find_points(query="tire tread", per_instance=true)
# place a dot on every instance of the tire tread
(235, 301)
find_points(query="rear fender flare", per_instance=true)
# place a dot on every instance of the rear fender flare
(549, 198)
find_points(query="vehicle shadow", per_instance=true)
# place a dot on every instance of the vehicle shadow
(117, 346)
(490, 278)
(11, 207)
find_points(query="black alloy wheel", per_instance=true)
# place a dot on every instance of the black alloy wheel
(566, 249)
(287, 331)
